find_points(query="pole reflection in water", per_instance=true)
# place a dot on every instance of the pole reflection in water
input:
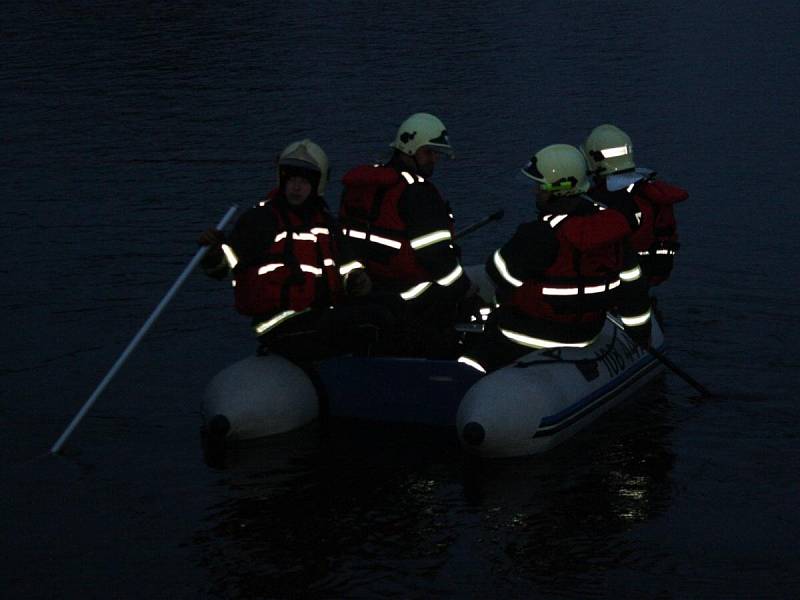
(360, 510)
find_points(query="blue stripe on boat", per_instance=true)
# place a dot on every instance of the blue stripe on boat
(552, 424)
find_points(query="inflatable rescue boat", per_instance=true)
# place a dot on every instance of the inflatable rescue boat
(524, 408)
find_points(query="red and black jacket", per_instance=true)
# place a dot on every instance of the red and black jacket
(656, 240)
(563, 267)
(651, 203)
(295, 267)
(399, 227)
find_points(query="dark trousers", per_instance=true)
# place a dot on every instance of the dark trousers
(422, 327)
(324, 332)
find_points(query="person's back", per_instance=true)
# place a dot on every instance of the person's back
(402, 231)
(556, 276)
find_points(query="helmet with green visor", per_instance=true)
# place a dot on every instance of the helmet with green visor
(559, 169)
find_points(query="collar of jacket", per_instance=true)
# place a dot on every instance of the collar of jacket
(396, 162)
(312, 204)
(570, 205)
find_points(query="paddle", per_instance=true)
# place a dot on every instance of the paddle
(680, 372)
(135, 341)
(495, 216)
(667, 362)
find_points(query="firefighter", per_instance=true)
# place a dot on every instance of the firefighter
(290, 272)
(648, 204)
(555, 278)
(402, 231)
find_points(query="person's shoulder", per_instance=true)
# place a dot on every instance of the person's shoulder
(535, 227)
(532, 233)
(371, 175)
(420, 192)
(320, 209)
(534, 244)
(262, 209)
(260, 214)
(616, 199)
(421, 189)
(421, 204)
(428, 187)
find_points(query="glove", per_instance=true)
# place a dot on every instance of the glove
(357, 283)
(211, 237)
(469, 308)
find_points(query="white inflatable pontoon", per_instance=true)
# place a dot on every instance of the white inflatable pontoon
(524, 408)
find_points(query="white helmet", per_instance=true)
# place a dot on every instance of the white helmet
(305, 155)
(608, 150)
(422, 129)
(560, 169)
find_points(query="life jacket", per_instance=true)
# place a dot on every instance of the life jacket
(656, 238)
(657, 228)
(298, 264)
(370, 218)
(578, 286)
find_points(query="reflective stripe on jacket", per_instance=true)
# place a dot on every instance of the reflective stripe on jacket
(370, 217)
(578, 285)
(298, 270)
(657, 229)
(656, 239)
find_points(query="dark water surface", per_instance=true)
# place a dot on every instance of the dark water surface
(127, 128)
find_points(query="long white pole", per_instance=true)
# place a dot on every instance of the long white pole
(135, 341)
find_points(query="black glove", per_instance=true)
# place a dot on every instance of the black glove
(469, 307)
(211, 237)
(357, 283)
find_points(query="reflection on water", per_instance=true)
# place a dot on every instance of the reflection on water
(302, 517)
(365, 509)
(563, 521)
